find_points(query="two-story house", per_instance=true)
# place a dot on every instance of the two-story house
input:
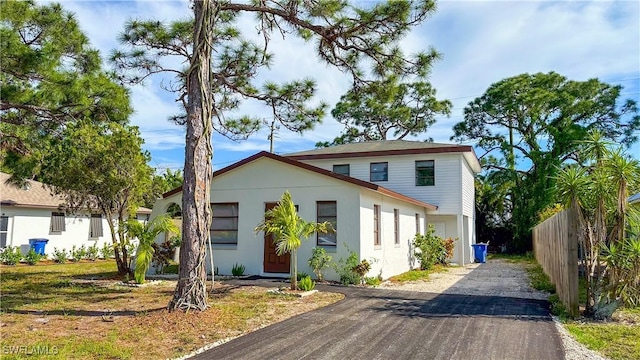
(377, 195)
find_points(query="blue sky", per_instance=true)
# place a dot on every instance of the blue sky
(482, 43)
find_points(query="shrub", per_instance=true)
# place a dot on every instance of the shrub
(106, 252)
(92, 252)
(60, 256)
(362, 269)
(238, 270)
(78, 254)
(164, 252)
(432, 249)
(301, 275)
(319, 261)
(306, 284)
(344, 268)
(33, 257)
(10, 255)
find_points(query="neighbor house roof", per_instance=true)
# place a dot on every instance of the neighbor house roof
(386, 148)
(634, 199)
(348, 179)
(34, 194)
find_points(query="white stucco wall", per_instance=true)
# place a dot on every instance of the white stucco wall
(388, 258)
(446, 193)
(264, 181)
(29, 223)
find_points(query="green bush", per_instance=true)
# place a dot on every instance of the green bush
(106, 252)
(344, 268)
(362, 269)
(78, 253)
(319, 261)
(33, 257)
(431, 249)
(60, 256)
(10, 255)
(301, 275)
(92, 252)
(238, 270)
(306, 284)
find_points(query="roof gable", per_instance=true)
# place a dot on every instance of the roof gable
(317, 170)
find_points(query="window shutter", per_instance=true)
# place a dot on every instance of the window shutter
(57, 222)
(95, 226)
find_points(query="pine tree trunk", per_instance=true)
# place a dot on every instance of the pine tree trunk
(191, 290)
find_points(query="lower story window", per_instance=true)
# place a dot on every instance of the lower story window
(57, 222)
(224, 223)
(4, 230)
(327, 211)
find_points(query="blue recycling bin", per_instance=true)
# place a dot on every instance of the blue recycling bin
(480, 252)
(38, 245)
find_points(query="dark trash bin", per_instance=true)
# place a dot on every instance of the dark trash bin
(38, 245)
(480, 252)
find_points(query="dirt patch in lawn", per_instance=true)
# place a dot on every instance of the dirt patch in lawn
(45, 310)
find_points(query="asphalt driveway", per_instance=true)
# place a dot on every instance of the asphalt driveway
(390, 324)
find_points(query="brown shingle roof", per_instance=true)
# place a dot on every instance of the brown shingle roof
(361, 183)
(34, 195)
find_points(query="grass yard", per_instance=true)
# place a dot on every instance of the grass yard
(418, 275)
(45, 310)
(618, 339)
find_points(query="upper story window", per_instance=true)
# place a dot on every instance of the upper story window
(379, 171)
(224, 223)
(342, 169)
(425, 173)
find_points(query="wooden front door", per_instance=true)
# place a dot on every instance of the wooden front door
(272, 262)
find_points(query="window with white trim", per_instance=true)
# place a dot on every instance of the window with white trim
(425, 173)
(224, 223)
(327, 211)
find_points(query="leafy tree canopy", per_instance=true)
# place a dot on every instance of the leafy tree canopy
(101, 168)
(387, 109)
(50, 77)
(528, 125)
(546, 113)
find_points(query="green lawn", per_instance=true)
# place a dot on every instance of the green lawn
(45, 310)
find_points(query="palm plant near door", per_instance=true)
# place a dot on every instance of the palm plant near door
(288, 230)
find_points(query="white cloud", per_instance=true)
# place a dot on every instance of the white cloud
(482, 42)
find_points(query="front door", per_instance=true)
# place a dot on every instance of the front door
(272, 262)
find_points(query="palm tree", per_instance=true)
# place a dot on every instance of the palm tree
(146, 235)
(288, 230)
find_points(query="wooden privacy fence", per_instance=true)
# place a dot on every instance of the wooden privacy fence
(555, 246)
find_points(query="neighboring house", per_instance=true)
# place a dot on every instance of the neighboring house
(33, 212)
(635, 200)
(378, 195)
